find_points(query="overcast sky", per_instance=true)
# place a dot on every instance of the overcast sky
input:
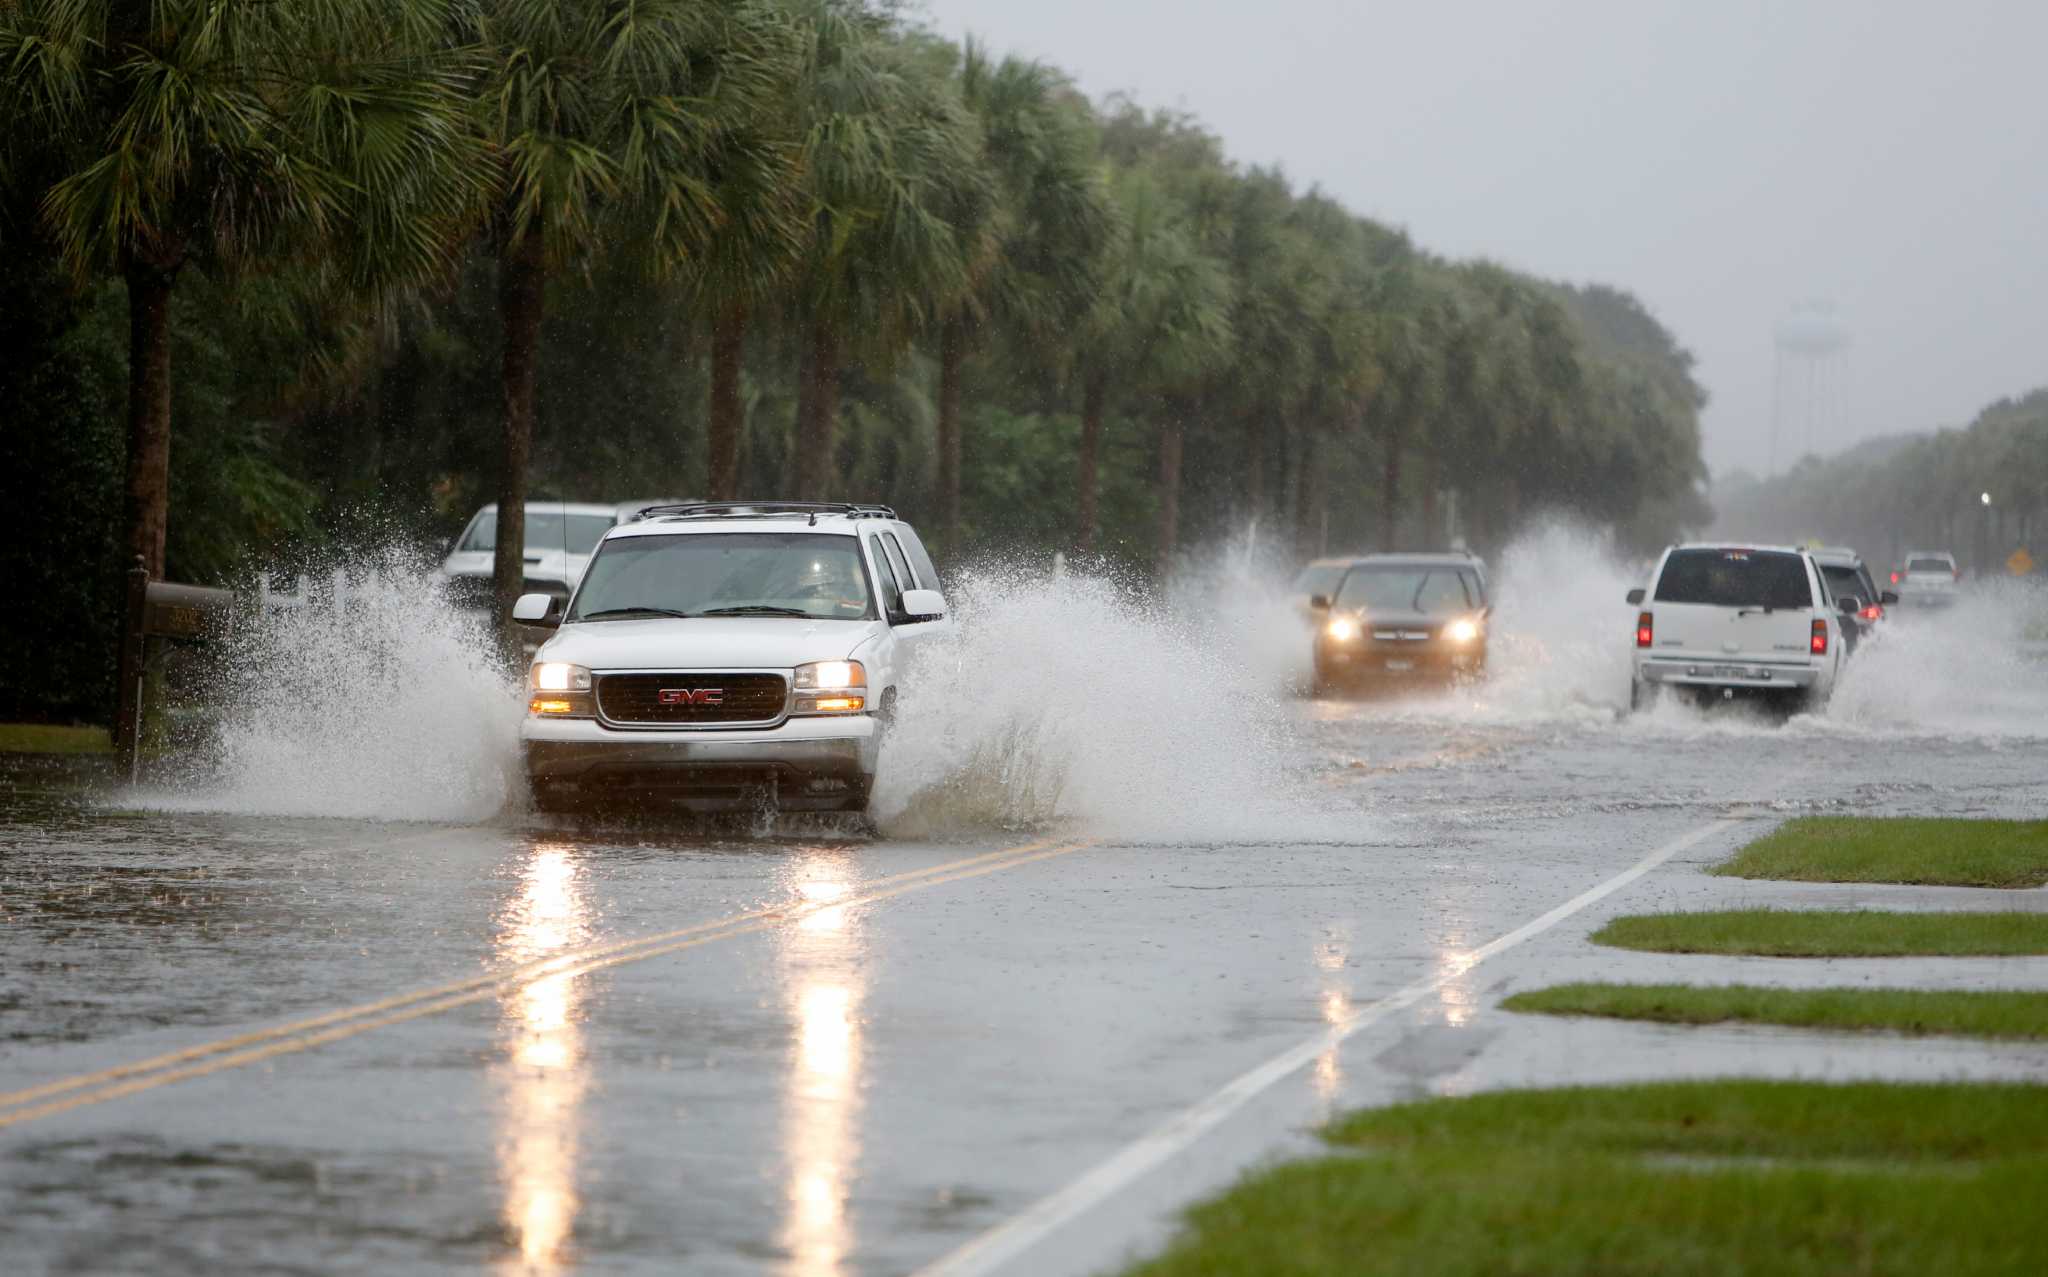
(1725, 160)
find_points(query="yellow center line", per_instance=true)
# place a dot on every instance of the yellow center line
(333, 1026)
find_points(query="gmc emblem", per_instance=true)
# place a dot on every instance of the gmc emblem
(691, 696)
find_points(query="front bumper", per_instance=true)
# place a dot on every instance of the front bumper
(1762, 676)
(805, 764)
(1414, 659)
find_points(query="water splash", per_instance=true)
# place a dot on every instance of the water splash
(389, 706)
(1081, 703)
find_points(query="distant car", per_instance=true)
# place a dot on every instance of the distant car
(1403, 617)
(1726, 621)
(1846, 576)
(1928, 580)
(560, 537)
(727, 655)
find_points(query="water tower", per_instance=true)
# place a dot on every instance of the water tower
(1808, 382)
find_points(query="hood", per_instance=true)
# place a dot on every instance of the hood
(709, 643)
(1388, 619)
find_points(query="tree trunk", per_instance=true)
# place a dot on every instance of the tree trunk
(817, 415)
(1170, 434)
(1254, 466)
(1315, 498)
(727, 418)
(149, 412)
(1094, 392)
(1432, 538)
(952, 353)
(1390, 495)
(521, 276)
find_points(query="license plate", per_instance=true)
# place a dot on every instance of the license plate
(1400, 665)
(1729, 671)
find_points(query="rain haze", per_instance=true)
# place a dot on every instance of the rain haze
(828, 638)
(1726, 162)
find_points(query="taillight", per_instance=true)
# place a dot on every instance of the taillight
(1820, 638)
(1895, 578)
(1873, 612)
(1645, 626)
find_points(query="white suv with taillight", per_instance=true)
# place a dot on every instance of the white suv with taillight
(718, 656)
(1726, 621)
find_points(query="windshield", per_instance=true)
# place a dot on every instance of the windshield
(1929, 565)
(544, 531)
(726, 574)
(1318, 578)
(1735, 578)
(1431, 591)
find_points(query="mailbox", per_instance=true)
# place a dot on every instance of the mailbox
(167, 612)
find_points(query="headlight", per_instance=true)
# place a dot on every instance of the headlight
(560, 676)
(560, 690)
(831, 687)
(1462, 630)
(828, 676)
(1342, 628)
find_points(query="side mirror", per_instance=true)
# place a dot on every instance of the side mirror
(1320, 602)
(1635, 596)
(924, 605)
(536, 609)
(1848, 605)
(1888, 598)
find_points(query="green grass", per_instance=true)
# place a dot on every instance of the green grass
(1672, 1180)
(1831, 933)
(1950, 853)
(1973, 1013)
(43, 738)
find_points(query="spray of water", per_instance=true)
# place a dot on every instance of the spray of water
(386, 705)
(1079, 703)
(1976, 670)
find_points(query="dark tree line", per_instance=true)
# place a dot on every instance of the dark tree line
(1913, 492)
(279, 270)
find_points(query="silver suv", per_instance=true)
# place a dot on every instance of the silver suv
(718, 656)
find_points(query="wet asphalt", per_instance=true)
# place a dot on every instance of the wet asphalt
(851, 1054)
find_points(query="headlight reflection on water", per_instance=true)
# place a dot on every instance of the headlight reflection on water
(542, 1080)
(823, 966)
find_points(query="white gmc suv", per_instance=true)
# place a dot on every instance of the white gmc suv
(1723, 621)
(725, 655)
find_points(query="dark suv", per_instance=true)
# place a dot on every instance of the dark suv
(1847, 576)
(1403, 617)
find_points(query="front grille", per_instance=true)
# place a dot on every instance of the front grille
(742, 698)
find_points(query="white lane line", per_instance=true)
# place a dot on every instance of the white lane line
(1009, 1240)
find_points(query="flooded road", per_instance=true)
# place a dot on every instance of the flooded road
(243, 1041)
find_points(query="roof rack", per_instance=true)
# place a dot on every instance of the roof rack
(765, 509)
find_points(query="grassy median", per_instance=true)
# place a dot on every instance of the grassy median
(2014, 1014)
(1920, 852)
(1831, 933)
(44, 738)
(1672, 1179)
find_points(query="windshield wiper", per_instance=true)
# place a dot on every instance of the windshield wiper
(1751, 611)
(755, 609)
(635, 611)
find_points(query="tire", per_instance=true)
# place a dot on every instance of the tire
(1641, 696)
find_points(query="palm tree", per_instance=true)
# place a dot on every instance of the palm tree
(607, 119)
(1044, 233)
(1161, 316)
(230, 138)
(891, 166)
